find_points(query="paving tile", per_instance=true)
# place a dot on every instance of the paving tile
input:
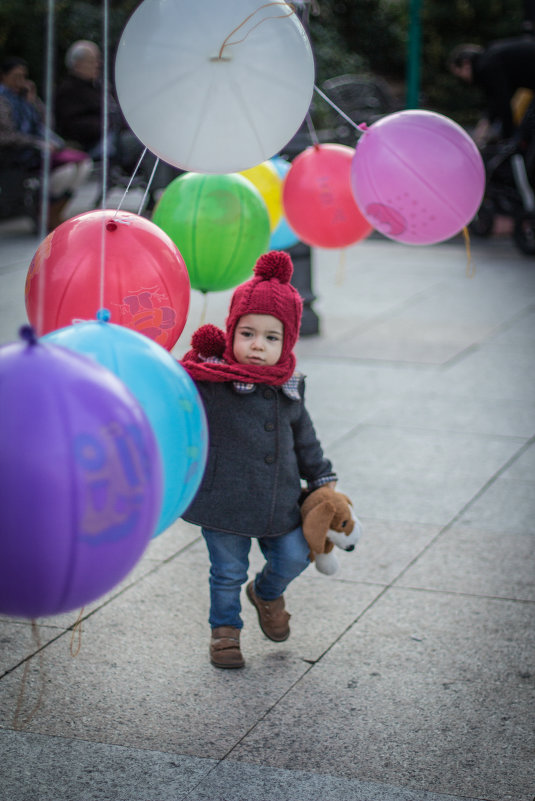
(144, 658)
(507, 507)
(16, 637)
(417, 475)
(478, 562)
(457, 412)
(523, 468)
(385, 549)
(428, 691)
(341, 395)
(61, 769)
(503, 373)
(18, 641)
(236, 781)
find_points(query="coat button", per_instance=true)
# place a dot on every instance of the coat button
(268, 394)
(269, 426)
(269, 459)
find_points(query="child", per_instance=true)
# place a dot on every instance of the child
(262, 443)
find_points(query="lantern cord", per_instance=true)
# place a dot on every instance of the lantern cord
(19, 724)
(77, 635)
(226, 42)
(311, 130)
(359, 127)
(470, 266)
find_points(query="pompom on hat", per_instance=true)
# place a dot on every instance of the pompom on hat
(268, 292)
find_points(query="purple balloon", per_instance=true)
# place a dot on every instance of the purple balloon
(80, 480)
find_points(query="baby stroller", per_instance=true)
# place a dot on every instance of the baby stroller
(510, 186)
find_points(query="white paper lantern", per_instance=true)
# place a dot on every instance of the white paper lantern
(214, 86)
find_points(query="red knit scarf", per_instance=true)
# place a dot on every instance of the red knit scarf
(209, 342)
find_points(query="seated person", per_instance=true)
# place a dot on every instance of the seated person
(79, 116)
(23, 133)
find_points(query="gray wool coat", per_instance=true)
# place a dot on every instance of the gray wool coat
(262, 443)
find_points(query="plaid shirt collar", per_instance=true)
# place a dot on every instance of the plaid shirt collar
(290, 388)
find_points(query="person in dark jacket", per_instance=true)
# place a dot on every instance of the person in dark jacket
(78, 102)
(79, 117)
(499, 70)
(262, 444)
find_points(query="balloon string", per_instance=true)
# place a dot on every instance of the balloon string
(105, 70)
(470, 266)
(359, 127)
(341, 273)
(311, 130)
(204, 308)
(77, 634)
(126, 191)
(104, 149)
(45, 200)
(226, 42)
(17, 722)
(144, 198)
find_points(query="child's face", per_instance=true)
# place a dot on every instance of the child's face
(258, 339)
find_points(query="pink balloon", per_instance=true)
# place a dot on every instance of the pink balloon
(317, 198)
(418, 177)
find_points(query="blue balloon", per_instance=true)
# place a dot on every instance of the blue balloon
(282, 235)
(166, 394)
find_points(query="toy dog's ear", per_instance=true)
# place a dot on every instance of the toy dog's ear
(316, 524)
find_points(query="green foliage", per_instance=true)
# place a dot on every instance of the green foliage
(368, 30)
(348, 36)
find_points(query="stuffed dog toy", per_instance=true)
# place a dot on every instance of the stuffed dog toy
(328, 520)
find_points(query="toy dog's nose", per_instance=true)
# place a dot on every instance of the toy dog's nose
(350, 548)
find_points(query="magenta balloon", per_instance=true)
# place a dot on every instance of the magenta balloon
(418, 177)
(81, 480)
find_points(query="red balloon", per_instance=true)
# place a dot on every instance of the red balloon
(318, 201)
(145, 280)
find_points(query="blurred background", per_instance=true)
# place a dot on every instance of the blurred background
(376, 39)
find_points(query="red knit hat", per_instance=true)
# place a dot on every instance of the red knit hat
(268, 292)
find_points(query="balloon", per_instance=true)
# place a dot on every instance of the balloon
(318, 201)
(418, 177)
(282, 237)
(219, 222)
(166, 394)
(268, 182)
(81, 480)
(146, 284)
(214, 87)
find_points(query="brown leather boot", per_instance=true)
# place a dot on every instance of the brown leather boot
(225, 648)
(272, 615)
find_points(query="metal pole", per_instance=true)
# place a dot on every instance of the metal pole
(413, 54)
(301, 253)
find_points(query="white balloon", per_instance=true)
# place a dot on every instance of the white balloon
(208, 108)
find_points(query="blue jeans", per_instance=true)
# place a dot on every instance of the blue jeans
(286, 557)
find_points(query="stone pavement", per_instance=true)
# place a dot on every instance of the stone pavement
(409, 676)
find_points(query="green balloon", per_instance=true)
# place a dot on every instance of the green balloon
(220, 224)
